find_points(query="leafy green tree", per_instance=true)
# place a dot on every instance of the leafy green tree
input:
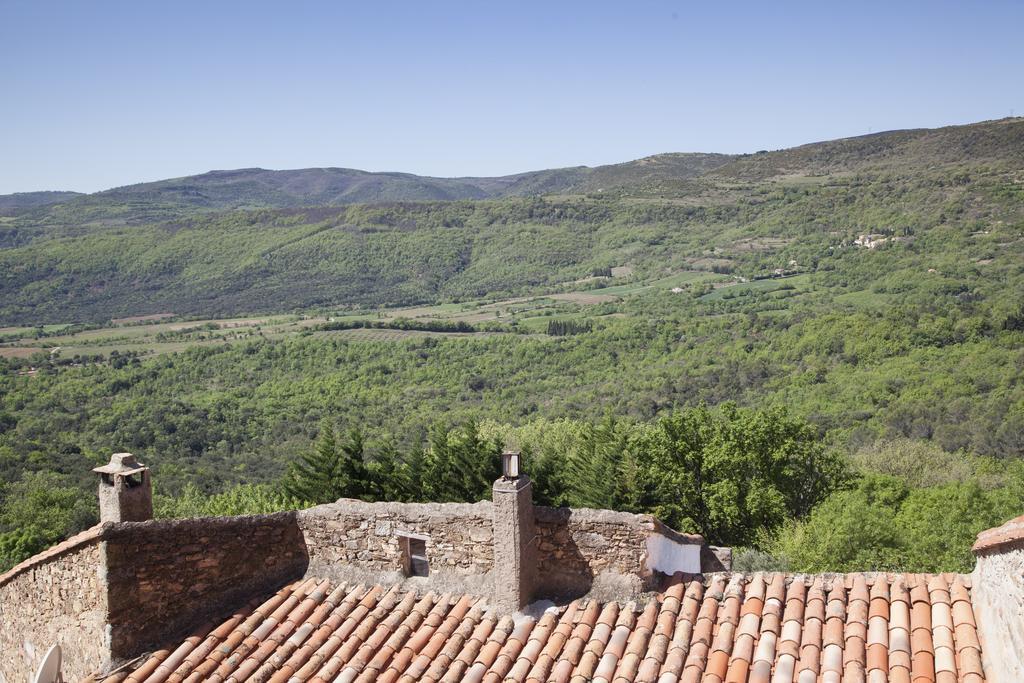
(244, 499)
(39, 510)
(938, 525)
(18, 545)
(731, 473)
(882, 524)
(853, 530)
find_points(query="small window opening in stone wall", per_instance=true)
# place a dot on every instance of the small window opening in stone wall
(133, 480)
(414, 555)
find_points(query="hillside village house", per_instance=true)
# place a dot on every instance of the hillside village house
(491, 591)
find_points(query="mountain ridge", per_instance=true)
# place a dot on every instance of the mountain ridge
(254, 188)
(247, 188)
(28, 200)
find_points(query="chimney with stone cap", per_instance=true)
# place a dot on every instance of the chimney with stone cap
(515, 562)
(126, 492)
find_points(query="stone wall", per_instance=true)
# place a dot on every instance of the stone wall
(56, 597)
(611, 555)
(122, 588)
(167, 576)
(355, 541)
(608, 554)
(998, 596)
(114, 591)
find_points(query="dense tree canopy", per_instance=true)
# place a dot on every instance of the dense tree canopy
(731, 474)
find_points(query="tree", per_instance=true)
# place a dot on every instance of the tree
(599, 471)
(18, 545)
(392, 475)
(331, 471)
(39, 510)
(244, 499)
(854, 530)
(460, 464)
(731, 473)
(883, 524)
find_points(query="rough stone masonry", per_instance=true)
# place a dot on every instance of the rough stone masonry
(124, 587)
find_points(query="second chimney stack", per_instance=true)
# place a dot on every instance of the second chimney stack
(126, 492)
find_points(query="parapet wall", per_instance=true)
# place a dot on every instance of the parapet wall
(166, 576)
(612, 555)
(56, 597)
(998, 596)
(351, 540)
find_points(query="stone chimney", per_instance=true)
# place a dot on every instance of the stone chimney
(998, 596)
(515, 561)
(126, 492)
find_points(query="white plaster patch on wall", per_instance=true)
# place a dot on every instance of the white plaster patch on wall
(668, 556)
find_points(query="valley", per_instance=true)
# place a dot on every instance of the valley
(858, 298)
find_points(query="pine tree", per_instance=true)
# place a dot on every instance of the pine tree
(354, 480)
(460, 464)
(392, 476)
(595, 467)
(331, 471)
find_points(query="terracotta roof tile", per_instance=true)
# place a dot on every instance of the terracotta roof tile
(599, 635)
(724, 629)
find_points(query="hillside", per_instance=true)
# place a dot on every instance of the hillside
(909, 150)
(64, 263)
(11, 204)
(252, 188)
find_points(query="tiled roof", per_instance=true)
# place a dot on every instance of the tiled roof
(762, 628)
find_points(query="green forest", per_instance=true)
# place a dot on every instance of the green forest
(724, 350)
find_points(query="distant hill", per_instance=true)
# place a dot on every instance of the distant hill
(257, 187)
(255, 240)
(663, 175)
(11, 203)
(253, 188)
(1001, 140)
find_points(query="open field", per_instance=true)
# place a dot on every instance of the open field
(865, 298)
(585, 298)
(764, 286)
(372, 335)
(16, 352)
(141, 318)
(676, 280)
(156, 334)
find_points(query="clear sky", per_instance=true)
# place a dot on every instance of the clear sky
(99, 94)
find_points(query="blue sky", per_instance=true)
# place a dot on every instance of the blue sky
(100, 94)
